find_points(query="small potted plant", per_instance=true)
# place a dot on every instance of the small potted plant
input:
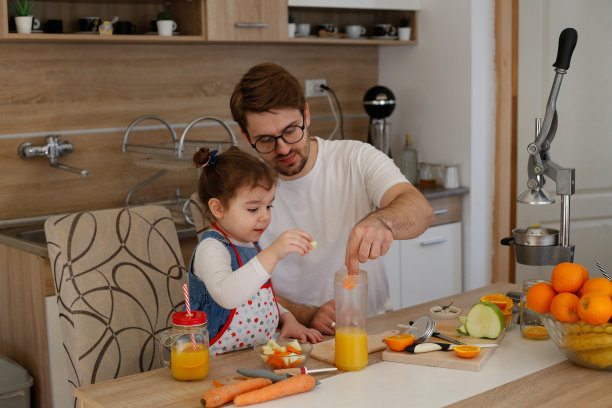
(165, 24)
(291, 26)
(404, 29)
(23, 20)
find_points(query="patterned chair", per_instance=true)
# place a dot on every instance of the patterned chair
(197, 214)
(118, 275)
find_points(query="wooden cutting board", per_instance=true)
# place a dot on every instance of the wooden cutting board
(447, 359)
(325, 350)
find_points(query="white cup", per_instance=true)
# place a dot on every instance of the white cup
(303, 30)
(355, 31)
(451, 178)
(291, 29)
(166, 27)
(404, 33)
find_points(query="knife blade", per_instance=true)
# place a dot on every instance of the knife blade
(431, 346)
(303, 370)
(443, 337)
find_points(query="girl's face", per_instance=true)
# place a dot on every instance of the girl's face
(247, 215)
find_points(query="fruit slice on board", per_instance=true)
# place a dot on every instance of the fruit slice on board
(485, 320)
(503, 302)
(535, 332)
(466, 351)
(399, 342)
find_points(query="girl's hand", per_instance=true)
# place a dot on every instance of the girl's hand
(290, 327)
(295, 241)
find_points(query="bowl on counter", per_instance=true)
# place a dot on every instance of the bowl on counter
(284, 358)
(583, 344)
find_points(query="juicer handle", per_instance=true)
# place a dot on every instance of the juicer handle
(567, 43)
(508, 241)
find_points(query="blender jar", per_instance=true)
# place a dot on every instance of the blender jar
(350, 294)
(187, 344)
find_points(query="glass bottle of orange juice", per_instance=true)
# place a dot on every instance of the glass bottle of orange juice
(187, 344)
(351, 294)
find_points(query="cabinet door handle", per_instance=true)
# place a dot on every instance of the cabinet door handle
(252, 25)
(434, 242)
(441, 211)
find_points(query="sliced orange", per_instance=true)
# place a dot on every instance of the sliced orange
(535, 332)
(499, 300)
(399, 342)
(466, 351)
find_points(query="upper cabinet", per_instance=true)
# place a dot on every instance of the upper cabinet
(246, 20)
(214, 20)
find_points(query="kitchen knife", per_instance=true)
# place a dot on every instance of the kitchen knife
(303, 370)
(426, 347)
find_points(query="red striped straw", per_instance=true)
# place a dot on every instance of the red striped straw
(188, 306)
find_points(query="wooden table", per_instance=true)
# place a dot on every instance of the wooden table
(561, 384)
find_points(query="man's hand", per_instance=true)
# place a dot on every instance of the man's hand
(369, 239)
(324, 318)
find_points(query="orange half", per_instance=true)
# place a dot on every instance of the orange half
(501, 301)
(466, 351)
(399, 342)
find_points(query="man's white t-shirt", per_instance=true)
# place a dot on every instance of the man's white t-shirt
(346, 183)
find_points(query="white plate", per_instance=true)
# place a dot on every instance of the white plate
(384, 37)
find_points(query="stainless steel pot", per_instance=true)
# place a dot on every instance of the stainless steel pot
(538, 246)
(535, 236)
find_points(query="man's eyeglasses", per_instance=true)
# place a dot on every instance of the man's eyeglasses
(291, 135)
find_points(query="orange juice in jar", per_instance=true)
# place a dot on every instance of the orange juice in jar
(186, 345)
(350, 295)
(187, 363)
(351, 351)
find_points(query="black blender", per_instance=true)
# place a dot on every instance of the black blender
(379, 103)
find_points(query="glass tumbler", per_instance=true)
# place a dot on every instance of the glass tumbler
(531, 324)
(351, 294)
(187, 344)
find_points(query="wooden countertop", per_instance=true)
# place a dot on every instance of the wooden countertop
(549, 383)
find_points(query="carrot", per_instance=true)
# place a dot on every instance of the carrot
(292, 385)
(219, 396)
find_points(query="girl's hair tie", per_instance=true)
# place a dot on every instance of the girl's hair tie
(212, 159)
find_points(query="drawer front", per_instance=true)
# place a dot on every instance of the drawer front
(446, 209)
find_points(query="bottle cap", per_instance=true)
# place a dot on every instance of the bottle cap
(184, 319)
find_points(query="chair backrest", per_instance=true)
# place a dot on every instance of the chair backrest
(118, 276)
(196, 207)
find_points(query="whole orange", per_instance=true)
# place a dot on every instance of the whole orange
(567, 277)
(597, 284)
(595, 308)
(539, 297)
(585, 273)
(564, 307)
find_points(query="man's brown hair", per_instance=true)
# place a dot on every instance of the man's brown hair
(265, 87)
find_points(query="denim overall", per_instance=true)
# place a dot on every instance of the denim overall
(245, 326)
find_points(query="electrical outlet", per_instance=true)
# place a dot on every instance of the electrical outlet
(313, 87)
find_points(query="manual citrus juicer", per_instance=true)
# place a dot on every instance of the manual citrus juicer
(536, 245)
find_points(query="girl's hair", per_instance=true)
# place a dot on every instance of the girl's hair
(224, 174)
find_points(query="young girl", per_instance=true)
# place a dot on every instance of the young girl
(229, 274)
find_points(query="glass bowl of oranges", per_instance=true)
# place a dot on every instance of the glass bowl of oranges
(583, 344)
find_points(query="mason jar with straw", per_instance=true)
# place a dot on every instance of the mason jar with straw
(187, 344)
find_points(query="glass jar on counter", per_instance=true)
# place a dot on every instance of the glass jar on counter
(351, 295)
(106, 28)
(187, 344)
(531, 324)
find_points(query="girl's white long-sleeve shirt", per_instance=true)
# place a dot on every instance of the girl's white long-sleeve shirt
(212, 264)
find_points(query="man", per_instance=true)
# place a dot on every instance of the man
(348, 195)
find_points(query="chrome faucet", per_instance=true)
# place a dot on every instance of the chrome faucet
(53, 150)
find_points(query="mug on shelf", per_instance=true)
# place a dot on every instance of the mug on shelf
(384, 30)
(355, 31)
(124, 27)
(166, 27)
(303, 30)
(54, 26)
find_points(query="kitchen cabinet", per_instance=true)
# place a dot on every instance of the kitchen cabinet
(246, 20)
(213, 21)
(429, 266)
